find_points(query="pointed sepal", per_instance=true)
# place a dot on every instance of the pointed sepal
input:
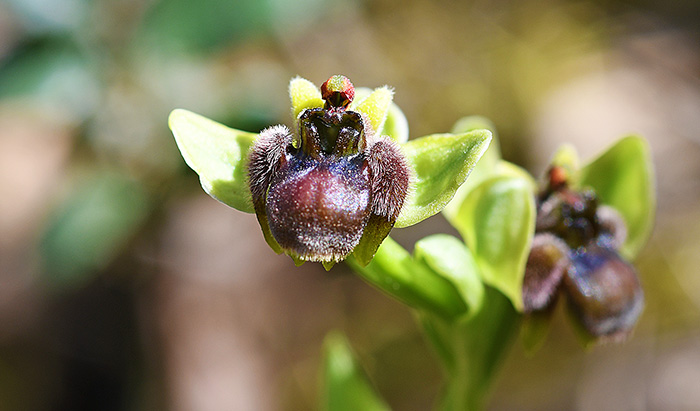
(218, 154)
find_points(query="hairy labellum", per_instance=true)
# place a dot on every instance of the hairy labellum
(318, 209)
(603, 291)
(319, 199)
(545, 267)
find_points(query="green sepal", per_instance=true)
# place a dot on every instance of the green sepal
(535, 328)
(449, 257)
(395, 272)
(265, 227)
(328, 265)
(345, 385)
(622, 177)
(376, 230)
(395, 125)
(508, 169)
(583, 336)
(218, 154)
(484, 168)
(440, 164)
(497, 221)
(375, 107)
(303, 94)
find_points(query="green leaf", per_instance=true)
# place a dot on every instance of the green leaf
(623, 178)
(54, 71)
(396, 273)
(345, 385)
(91, 227)
(375, 107)
(304, 94)
(175, 28)
(218, 154)
(497, 221)
(449, 257)
(440, 164)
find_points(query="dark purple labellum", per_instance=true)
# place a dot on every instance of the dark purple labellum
(319, 208)
(603, 291)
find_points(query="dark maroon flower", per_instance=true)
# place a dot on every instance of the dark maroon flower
(575, 250)
(318, 196)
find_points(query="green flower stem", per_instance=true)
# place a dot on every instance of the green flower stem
(345, 385)
(394, 272)
(472, 350)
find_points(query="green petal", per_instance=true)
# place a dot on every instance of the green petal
(449, 257)
(375, 107)
(361, 93)
(346, 386)
(567, 157)
(304, 94)
(623, 179)
(218, 154)
(396, 125)
(440, 164)
(396, 273)
(497, 221)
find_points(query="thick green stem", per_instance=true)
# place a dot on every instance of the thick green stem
(472, 350)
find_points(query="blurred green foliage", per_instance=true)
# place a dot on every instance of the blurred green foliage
(90, 228)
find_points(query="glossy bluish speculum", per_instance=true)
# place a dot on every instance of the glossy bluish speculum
(315, 199)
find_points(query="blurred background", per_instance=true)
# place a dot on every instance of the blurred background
(123, 286)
